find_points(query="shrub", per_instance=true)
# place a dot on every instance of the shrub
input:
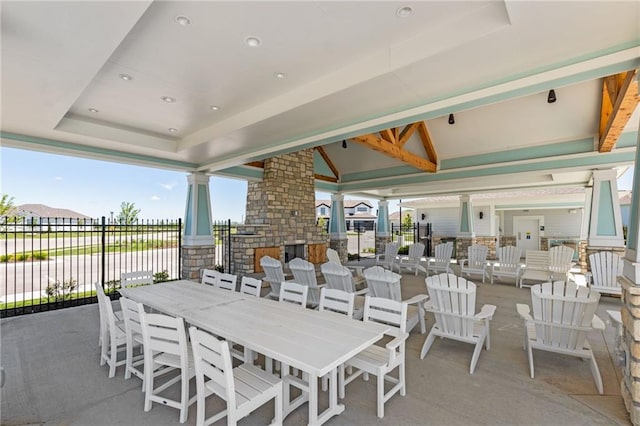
(403, 250)
(6, 258)
(61, 292)
(160, 277)
(219, 268)
(39, 255)
(352, 256)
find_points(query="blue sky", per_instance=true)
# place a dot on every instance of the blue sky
(96, 188)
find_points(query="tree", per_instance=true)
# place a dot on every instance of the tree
(407, 222)
(6, 205)
(128, 213)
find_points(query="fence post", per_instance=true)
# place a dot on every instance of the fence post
(229, 246)
(103, 259)
(179, 247)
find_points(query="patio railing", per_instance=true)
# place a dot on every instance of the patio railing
(51, 263)
(415, 233)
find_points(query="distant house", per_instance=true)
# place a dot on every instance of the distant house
(42, 218)
(625, 206)
(358, 213)
(395, 220)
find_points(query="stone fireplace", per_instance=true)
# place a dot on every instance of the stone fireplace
(280, 216)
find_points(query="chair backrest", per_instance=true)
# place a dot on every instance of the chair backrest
(131, 313)
(509, 257)
(164, 333)
(391, 250)
(212, 358)
(453, 301)
(305, 273)
(294, 293)
(227, 281)
(562, 313)
(386, 311)
(250, 286)
(128, 279)
(416, 251)
(443, 252)
(272, 269)
(109, 317)
(383, 283)
(101, 311)
(337, 277)
(210, 276)
(560, 259)
(536, 259)
(605, 266)
(477, 255)
(333, 256)
(336, 301)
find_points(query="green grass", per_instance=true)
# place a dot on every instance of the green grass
(44, 300)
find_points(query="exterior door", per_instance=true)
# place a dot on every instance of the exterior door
(527, 230)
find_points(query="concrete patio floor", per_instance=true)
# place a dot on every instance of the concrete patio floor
(53, 377)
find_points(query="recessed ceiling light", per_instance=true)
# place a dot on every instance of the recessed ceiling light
(404, 12)
(168, 99)
(280, 75)
(172, 130)
(93, 110)
(126, 77)
(214, 107)
(252, 41)
(183, 20)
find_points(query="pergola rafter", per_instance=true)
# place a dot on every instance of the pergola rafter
(619, 100)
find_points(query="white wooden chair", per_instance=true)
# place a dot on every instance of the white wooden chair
(390, 256)
(605, 268)
(114, 339)
(441, 262)
(305, 273)
(453, 303)
(560, 262)
(128, 279)
(294, 293)
(133, 332)
(508, 264)
(536, 266)
(379, 360)
(250, 286)
(411, 262)
(563, 316)
(244, 388)
(335, 300)
(226, 282)
(358, 278)
(166, 350)
(273, 274)
(210, 277)
(386, 284)
(104, 331)
(338, 277)
(476, 261)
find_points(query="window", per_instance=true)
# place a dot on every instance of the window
(323, 211)
(362, 209)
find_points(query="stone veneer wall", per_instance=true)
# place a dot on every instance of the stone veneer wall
(280, 210)
(381, 242)
(628, 350)
(196, 258)
(341, 246)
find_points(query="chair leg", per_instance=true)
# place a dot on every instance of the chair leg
(596, 374)
(427, 344)
(530, 354)
(184, 397)
(402, 378)
(476, 354)
(148, 382)
(421, 313)
(341, 384)
(380, 393)
(488, 330)
(277, 418)
(128, 365)
(113, 358)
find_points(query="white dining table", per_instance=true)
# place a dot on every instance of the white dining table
(314, 342)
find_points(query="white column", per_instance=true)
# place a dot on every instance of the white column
(197, 217)
(605, 226)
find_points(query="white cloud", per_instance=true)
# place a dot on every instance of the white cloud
(58, 178)
(168, 186)
(155, 198)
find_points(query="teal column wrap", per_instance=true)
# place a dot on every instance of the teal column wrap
(605, 223)
(465, 222)
(197, 221)
(634, 226)
(383, 229)
(337, 224)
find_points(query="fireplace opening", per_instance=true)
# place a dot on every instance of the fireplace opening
(292, 251)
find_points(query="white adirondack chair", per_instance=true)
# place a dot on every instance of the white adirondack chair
(508, 264)
(563, 316)
(244, 388)
(536, 267)
(128, 279)
(476, 262)
(381, 360)
(386, 284)
(210, 277)
(411, 262)
(560, 262)
(338, 277)
(305, 273)
(390, 256)
(453, 303)
(274, 275)
(358, 278)
(441, 262)
(605, 268)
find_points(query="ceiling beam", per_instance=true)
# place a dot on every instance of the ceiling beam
(619, 99)
(388, 135)
(389, 149)
(259, 164)
(327, 160)
(325, 178)
(432, 155)
(406, 133)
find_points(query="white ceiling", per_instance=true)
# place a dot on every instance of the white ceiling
(351, 68)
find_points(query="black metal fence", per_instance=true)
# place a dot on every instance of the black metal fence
(51, 263)
(415, 233)
(222, 231)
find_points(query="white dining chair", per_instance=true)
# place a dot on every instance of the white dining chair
(135, 278)
(133, 333)
(294, 293)
(250, 286)
(226, 282)
(209, 277)
(114, 339)
(244, 388)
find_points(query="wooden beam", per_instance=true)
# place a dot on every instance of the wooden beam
(619, 99)
(406, 133)
(259, 164)
(327, 160)
(392, 150)
(388, 135)
(325, 178)
(432, 155)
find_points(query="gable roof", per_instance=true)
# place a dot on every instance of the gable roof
(348, 204)
(42, 210)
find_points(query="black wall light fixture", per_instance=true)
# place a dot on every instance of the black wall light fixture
(451, 119)
(424, 216)
(481, 215)
(551, 98)
(344, 143)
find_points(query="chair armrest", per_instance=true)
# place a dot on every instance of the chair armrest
(524, 311)
(321, 286)
(486, 311)
(597, 323)
(463, 261)
(357, 269)
(362, 292)
(589, 277)
(392, 345)
(417, 299)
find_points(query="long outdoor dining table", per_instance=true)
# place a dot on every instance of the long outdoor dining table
(311, 341)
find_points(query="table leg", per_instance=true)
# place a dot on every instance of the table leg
(334, 408)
